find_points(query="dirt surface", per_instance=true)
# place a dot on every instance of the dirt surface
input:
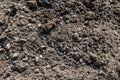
(59, 39)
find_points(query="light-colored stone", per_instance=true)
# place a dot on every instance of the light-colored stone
(8, 46)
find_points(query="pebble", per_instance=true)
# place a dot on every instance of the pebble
(40, 56)
(25, 9)
(21, 16)
(76, 34)
(8, 46)
(43, 47)
(22, 41)
(25, 59)
(36, 58)
(15, 56)
(39, 25)
(116, 33)
(51, 50)
(36, 70)
(16, 38)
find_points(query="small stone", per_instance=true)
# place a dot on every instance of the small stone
(8, 46)
(15, 56)
(51, 50)
(25, 9)
(36, 58)
(40, 56)
(39, 25)
(21, 16)
(22, 41)
(36, 70)
(16, 38)
(43, 47)
(116, 33)
(25, 59)
(29, 24)
(76, 34)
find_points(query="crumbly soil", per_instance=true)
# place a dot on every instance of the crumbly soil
(59, 39)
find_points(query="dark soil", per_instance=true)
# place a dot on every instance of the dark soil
(59, 39)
